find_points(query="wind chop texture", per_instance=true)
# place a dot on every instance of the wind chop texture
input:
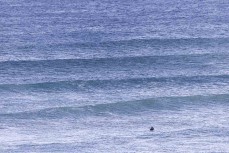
(95, 76)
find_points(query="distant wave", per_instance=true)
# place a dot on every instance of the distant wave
(111, 83)
(128, 46)
(113, 59)
(134, 43)
(149, 41)
(124, 107)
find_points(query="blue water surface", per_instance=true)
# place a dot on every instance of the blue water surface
(94, 76)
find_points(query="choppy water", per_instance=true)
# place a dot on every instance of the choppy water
(94, 76)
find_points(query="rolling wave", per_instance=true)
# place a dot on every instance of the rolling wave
(151, 41)
(114, 49)
(119, 83)
(112, 68)
(124, 107)
(152, 58)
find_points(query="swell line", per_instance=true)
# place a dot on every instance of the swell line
(123, 107)
(119, 46)
(112, 83)
(149, 41)
(113, 59)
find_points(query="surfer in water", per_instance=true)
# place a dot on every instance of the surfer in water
(152, 129)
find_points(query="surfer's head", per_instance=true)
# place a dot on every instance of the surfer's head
(152, 128)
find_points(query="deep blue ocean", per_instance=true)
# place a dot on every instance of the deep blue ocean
(92, 76)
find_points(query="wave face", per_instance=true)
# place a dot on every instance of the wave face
(124, 108)
(88, 76)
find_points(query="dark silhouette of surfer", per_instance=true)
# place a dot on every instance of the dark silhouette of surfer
(152, 129)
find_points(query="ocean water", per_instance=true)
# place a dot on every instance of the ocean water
(90, 76)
